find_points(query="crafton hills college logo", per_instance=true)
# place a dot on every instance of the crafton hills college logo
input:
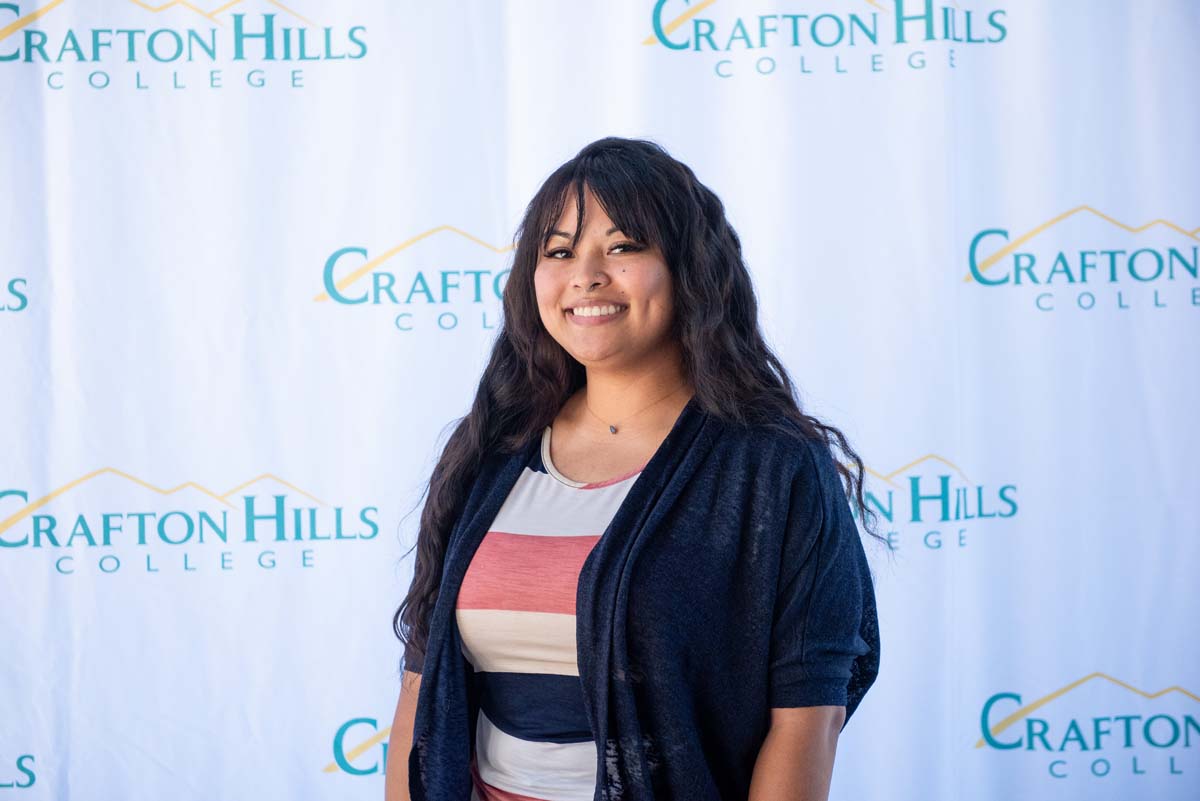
(1095, 727)
(416, 285)
(1084, 260)
(932, 503)
(173, 45)
(111, 522)
(822, 39)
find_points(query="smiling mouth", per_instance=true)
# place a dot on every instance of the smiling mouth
(597, 311)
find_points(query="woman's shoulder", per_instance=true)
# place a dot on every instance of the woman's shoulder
(781, 447)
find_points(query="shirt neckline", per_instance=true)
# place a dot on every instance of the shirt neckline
(553, 471)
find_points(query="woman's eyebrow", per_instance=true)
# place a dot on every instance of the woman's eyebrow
(565, 235)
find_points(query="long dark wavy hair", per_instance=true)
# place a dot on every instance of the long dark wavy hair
(655, 200)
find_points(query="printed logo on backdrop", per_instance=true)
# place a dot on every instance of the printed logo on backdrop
(1095, 728)
(932, 505)
(17, 774)
(112, 523)
(823, 38)
(1084, 260)
(14, 295)
(360, 748)
(173, 45)
(454, 282)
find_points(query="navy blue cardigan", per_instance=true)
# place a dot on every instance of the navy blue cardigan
(731, 580)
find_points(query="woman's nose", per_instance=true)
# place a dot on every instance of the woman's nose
(589, 270)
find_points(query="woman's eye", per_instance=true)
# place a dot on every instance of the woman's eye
(631, 247)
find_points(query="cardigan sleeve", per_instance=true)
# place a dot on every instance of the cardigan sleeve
(824, 637)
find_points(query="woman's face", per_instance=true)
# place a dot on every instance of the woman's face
(607, 269)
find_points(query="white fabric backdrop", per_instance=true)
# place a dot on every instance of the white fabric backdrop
(207, 462)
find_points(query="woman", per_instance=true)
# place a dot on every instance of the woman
(637, 576)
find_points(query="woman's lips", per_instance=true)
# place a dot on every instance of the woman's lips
(599, 319)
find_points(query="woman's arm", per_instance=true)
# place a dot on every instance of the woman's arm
(795, 761)
(395, 783)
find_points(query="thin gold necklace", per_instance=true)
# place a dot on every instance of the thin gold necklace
(612, 428)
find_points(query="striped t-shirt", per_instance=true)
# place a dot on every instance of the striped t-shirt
(516, 617)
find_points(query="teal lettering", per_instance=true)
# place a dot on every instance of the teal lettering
(1012, 503)
(339, 750)
(871, 33)
(917, 497)
(1060, 266)
(329, 47)
(659, 33)
(889, 511)
(738, 33)
(374, 526)
(72, 44)
(362, 46)
(108, 528)
(702, 29)
(98, 44)
(13, 56)
(382, 283)
(1158, 261)
(25, 765)
(902, 18)
(189, 528)
(35, 41)
(1073, 735)
(840, 28)
(1112, 263)
(985, 720)
(973, 261)
(763, 30)
(47, 532)
(419, 281)
(1023, 263)
(1041, 727)
(141, 517)
(795, 20)
(177, 44)
(240, 36)
(278, 516)
(222, 531)
(1147, 729)
(992, 20)
(1174, 255)
(24, 496)
(81, 530)
(331, 288)
(210, 47)
(447, 286)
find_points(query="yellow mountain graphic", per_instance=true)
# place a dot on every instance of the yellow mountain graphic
(219, 497)
(211, 16)
(887, 477)
(1039, 703)
(375, 262)
(1030, 234)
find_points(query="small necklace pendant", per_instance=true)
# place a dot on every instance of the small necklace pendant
(612, 429)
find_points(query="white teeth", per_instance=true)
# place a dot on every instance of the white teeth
(596, 311)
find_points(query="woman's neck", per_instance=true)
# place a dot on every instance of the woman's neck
(646, 397)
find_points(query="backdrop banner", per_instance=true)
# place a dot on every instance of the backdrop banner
(252, 263)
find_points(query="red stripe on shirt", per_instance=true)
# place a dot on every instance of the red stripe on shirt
(545, 568)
